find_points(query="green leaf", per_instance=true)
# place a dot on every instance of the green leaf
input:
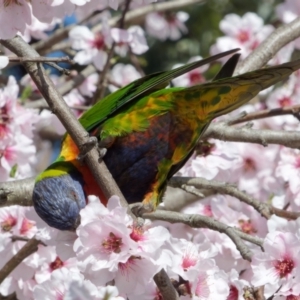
(13, 171)
(26, 93)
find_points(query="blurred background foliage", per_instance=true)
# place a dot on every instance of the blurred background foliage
(203, 30)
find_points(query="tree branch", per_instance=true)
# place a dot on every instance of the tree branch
(165, 286)
(198, 221)
(222, 188)
(223, 132)
(30, 247)
(41, 59)
(65, 87)
(264, 209)
(17, 192)
(266, 113)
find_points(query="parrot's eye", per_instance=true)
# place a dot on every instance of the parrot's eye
(73, 195)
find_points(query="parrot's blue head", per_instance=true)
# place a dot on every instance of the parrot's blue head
(59, 199)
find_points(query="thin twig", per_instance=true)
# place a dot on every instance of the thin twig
(290, 215)
(51, 61)
(222, 188)
(45, 46)
(134, 60)
(101, 81)
(165, 286)
(41, 59)
(65, 87)
(60, 69)
(15, 238)
(198, 221)
(101, 86)
(30, 247)
(225, 188)
(267, 113)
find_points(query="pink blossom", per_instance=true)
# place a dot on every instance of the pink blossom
(211, 160)
(206, 282)
(284, 54)
(37, 29)
(133, 275)
(277, 266)
(245, 32)
(89, 85)
(284, 96)
(19, 11)
(3, 61)
(123, 75)
(253, 166)
(8, 103)
(163, 26)
(8, 286)
(49, 119)
(23, 13)
(236, 286)
(107, 242)
(92, 46)
(85, 10)
(95, 210)
(86, 290)
(150, 239)
(193, 77)
(133, 37)
(16, 126)
(51, 263)
(58, 285)
(289, 168)
(74, 99)
(186, 255)
(13, 220)
(111, 244)
(16, 155)
(24, 289)
(287, 12)
(120, 250)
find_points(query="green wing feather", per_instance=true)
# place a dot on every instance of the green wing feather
(226, 71)
(139, 88)
(228, 68)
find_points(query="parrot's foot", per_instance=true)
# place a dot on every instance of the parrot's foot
(232, 120)
(102, 152)
(76, 223)
(138, 209)
(87, 147)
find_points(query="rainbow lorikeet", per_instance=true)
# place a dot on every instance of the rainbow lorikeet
(149, 132)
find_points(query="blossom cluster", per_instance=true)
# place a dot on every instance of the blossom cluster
(17, 149)
(111, 256)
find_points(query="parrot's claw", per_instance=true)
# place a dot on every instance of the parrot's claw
(233, 119)
(87, 147)
(138, 209)
(76, 223)
(102, 152)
